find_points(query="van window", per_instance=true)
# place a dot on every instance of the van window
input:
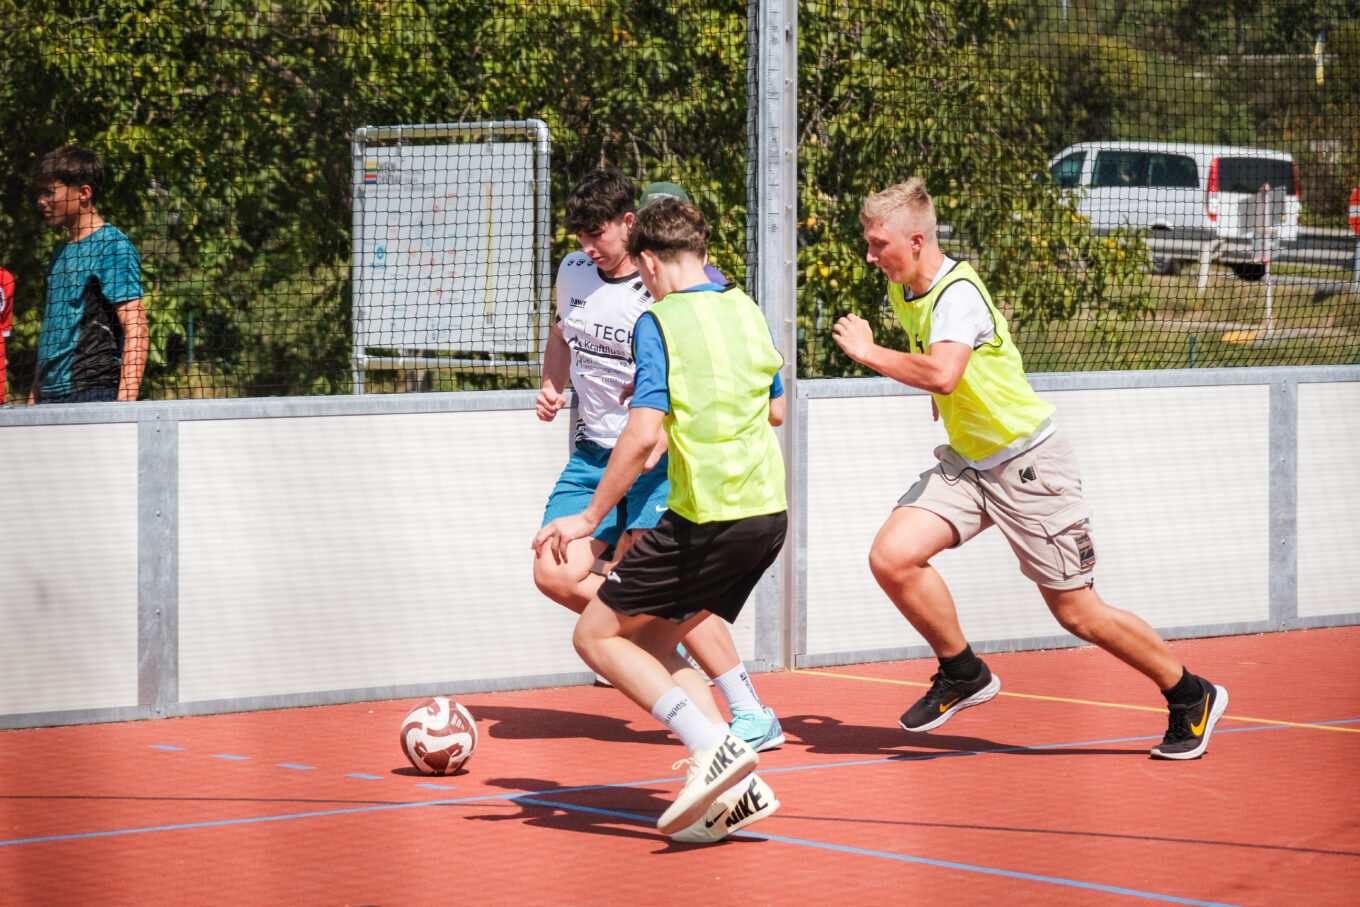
(1172, 171)
(1120, 168)
(1248, 174)
(1067, 172)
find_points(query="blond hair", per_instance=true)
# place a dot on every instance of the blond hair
(907, 204)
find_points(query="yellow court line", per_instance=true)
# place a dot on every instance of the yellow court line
(1108, 705)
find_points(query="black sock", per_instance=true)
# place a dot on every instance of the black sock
(1187, 691)
(963, 666)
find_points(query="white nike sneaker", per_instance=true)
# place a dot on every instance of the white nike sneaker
(710, 773)
(738, 806)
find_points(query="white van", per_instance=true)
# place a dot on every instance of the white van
(1196, 191)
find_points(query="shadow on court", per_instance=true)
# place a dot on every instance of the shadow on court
(619, 812)
(626, 812)
(824, 735)
(516, 723)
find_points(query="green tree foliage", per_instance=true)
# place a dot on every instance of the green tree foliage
(961, 110)
(657, 89)
(224, 125)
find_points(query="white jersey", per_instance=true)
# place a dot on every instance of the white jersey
(961, 314)
(597, 315)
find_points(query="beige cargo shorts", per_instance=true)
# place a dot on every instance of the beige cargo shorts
(1034, 498)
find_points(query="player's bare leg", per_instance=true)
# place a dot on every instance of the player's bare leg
(629, 652)
(1126, 636)
(1194, 703)
(571, 582)
(900, 561)
(603, 638)
(711, 644)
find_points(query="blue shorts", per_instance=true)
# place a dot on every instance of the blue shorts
(640, 508)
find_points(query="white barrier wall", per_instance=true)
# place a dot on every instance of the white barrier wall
(1219, 503)
(195, 557)
(1329, 495)
(68, 593)
(1176, 479)
(190, 557)
(363, 551)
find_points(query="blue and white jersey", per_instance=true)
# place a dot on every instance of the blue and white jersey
(597, 314)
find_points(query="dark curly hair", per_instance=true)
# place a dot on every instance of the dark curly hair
(600, 196)
(71, 166)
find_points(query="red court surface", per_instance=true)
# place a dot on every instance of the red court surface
(1045, 795)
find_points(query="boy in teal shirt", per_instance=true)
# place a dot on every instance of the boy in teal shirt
(94, 335)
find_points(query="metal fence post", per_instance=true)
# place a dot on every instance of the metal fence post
(772, 256)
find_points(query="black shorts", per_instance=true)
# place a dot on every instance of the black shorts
(678, 568)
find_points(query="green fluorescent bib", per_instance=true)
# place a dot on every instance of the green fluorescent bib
(993, 403)
(725, 462)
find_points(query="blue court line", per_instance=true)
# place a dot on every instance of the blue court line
(907, 858)
(218, 823)
(989, 870)
(228, 756)
(531, 798)
(434, 786)
(644, 820)
(160, 746)
(365, 777)
(307, 768)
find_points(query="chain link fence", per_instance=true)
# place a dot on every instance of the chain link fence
(1142, 184)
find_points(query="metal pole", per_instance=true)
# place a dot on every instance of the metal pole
(772, 190)
(1356, 275)
(358, 145)
(1206, 255)
(1266, 231)
(543, 228)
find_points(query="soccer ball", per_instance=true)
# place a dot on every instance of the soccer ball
(438, 736)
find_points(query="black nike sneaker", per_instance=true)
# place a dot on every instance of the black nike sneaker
(1189, 726)
(947, 696)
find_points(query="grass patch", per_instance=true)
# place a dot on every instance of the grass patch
(1225, 326)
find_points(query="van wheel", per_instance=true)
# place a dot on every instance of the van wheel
(1167, 267)
(1250, 270)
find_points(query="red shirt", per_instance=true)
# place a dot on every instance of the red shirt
(6, 317)
(6, 303)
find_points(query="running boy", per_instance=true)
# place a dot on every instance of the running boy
(705, 369)
(599, 298)
(1005, 464)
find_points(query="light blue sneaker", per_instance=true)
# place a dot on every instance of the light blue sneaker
(760, 730)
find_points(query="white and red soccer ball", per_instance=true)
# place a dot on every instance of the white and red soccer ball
(438, 736)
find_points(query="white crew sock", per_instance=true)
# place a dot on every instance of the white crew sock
(679, 713)
(736, 688)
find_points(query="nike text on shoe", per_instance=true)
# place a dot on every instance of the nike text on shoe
(737, 807)
(759, 729)
(710, 773)
(946, 697)
(1189, 726)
